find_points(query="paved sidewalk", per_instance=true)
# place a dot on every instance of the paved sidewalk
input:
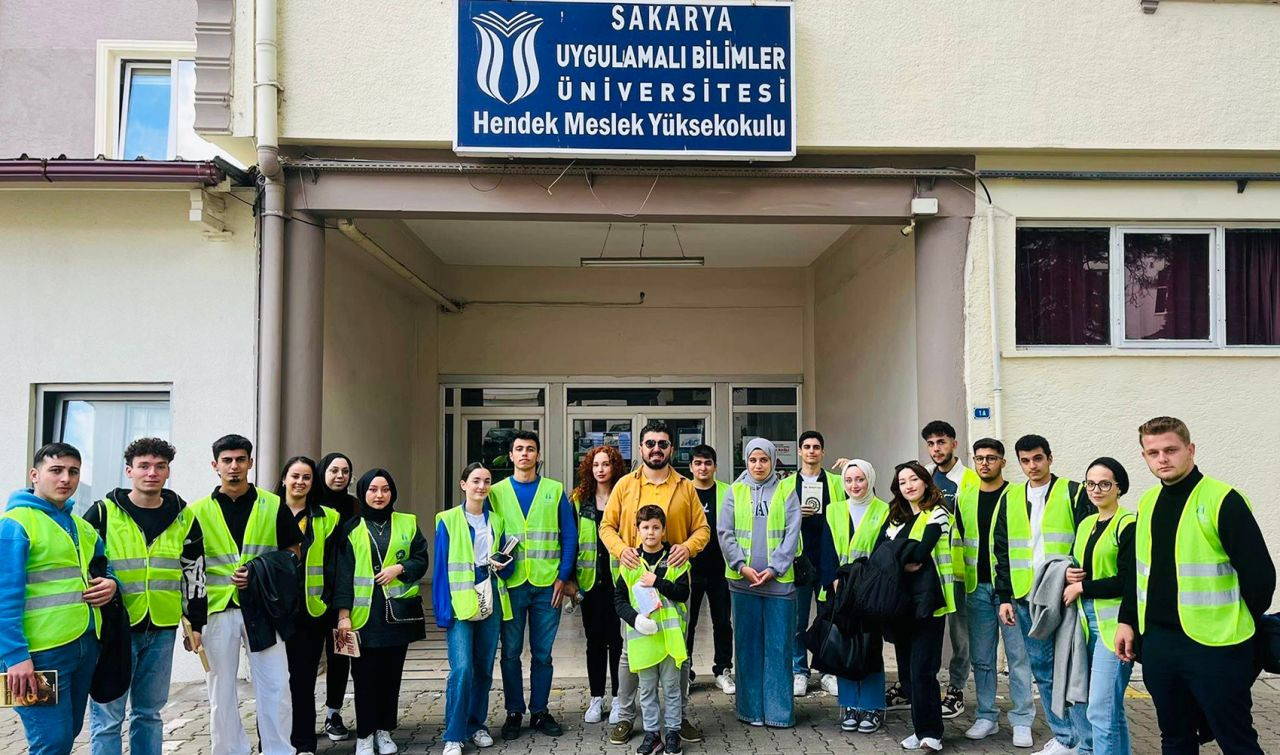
(816, 733)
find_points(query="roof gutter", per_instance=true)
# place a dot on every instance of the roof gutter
(124, 171)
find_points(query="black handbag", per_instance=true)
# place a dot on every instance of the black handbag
(849, 655)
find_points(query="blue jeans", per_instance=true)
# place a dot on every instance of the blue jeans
(764, 629)
(983, 617)
(51, 729)
(865, 694)
(472, 645)
(531, 607)
(804, 602)
(1074, 730)
(148, 693)
(1108, 678)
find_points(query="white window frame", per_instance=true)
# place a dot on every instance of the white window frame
(1217, 300)
(114, 56)
(158, 66)
(1115, 261)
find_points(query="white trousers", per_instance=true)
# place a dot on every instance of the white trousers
(222, 639)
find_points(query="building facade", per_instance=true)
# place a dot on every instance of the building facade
(1105, 246)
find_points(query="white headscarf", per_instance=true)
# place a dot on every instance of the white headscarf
(870, 473)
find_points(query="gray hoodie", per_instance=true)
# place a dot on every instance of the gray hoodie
(760, 558)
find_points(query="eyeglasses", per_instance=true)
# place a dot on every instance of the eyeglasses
(987, 459)
(1102, 487)
(663, 444)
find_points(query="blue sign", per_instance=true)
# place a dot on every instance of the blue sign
(549, 78)
(982, 412)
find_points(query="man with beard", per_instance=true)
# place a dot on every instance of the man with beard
(654, 483)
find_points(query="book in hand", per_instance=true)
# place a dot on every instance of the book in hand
(186, 637)
(46, 691)
(346, 643)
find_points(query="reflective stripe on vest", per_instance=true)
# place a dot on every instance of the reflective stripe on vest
(1105, 563)
(941, 560)
(1210, 608)
(867, 532)
(1057, 528)
(54, 612)
(150, 576)
(537, 555)
(322, 528)
(461, 564)
(403, 528)
(645, 651)
(775, 526)
(221, 557)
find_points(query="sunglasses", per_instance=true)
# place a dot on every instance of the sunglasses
(663, 444)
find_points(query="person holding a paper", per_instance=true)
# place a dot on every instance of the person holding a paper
(155, 544)
(473, 556)
(759, 530)
(650, 597)
(49, 617)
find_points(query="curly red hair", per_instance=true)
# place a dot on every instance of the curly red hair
(586, 489)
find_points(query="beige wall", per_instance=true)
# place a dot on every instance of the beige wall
(693, 322)
(865, 358)
(963, 76)
(1090, 403)
(380, 395)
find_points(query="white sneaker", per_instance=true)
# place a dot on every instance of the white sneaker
(982, 728)
(911, 743)
(452, 748)
(364, 746)
(1022, 736)
(725, 683)
(929, 743)
(595, 711)
(385, 746)
(800, 685)
(829, 684)
(482, 738)
(615, 713)
(1054, 747)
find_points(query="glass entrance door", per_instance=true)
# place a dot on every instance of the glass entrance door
(488, 440)
(687, 430)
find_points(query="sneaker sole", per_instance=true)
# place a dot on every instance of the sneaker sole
(337, 737)
(900, 706)
(955, 714)
(688, 740)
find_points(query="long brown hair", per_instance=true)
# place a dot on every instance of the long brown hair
(900, 507)
(586, 489)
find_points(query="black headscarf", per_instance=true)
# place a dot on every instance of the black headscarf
(338, 500)
(362, 487)
(1117, 469)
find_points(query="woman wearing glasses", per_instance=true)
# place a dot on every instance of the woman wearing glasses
(1105, 558)
(916, 514)
(759, 534)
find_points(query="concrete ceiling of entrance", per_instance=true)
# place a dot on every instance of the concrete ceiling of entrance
(563, 244)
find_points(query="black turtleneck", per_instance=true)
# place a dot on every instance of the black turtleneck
(1241, 539)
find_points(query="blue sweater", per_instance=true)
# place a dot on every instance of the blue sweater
(568, 523)
(440, 577)
(14, 548)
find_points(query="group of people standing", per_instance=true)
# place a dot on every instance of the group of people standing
(1079, 588)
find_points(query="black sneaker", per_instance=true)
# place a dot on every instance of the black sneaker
(689, 732)
(895, 699)
(952, 702)
(543, 723)
(334, 728)
(652, 743)
(871, 721)
(849, 718)
(511, 727)
(672, 744)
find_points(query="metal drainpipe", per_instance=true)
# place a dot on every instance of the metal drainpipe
(271, 261)
(997, 386)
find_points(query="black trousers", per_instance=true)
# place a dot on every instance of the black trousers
(918, 645)
(1181, 674)
(604, 637)
(377, 674)
(338, 668)
(303, 650)
(715, 589)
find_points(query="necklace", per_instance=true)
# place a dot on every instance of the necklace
(381, 526)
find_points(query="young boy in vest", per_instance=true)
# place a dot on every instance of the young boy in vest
(655, 640)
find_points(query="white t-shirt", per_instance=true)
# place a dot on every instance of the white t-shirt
(483, 543)
(1037, 497)
(856, 512)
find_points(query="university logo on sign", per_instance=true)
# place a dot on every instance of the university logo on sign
(503, 40)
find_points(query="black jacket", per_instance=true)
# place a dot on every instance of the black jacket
(1081, 508)
(270, 602)
(114, 671)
